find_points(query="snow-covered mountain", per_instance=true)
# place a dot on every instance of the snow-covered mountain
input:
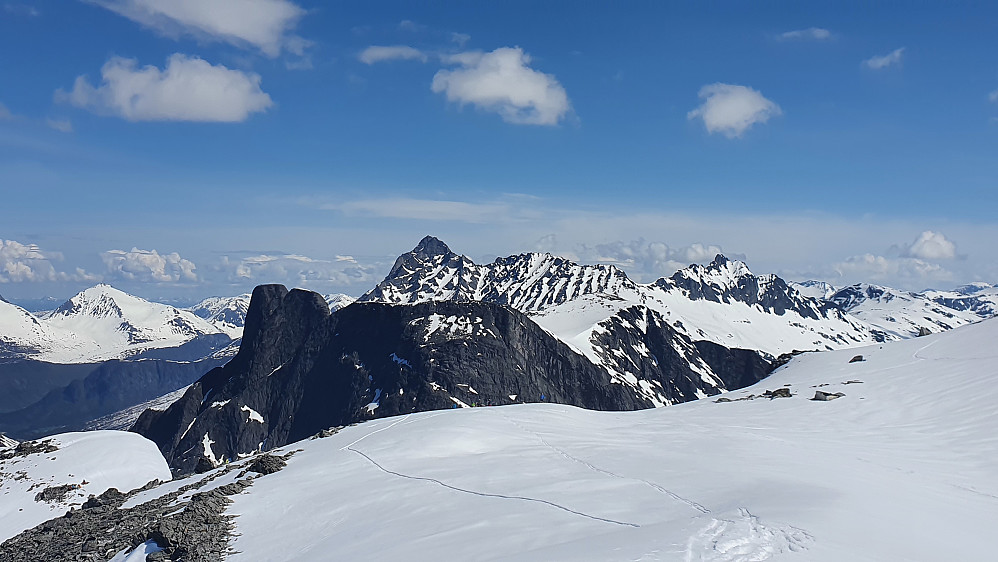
(21, 333)
(897, 465)
(906, 314)
(115, 324)
(227, 313)
(98, 324)
(337, 301)
(527, 282)
(723, 301)
(979, 298)
(819, 290)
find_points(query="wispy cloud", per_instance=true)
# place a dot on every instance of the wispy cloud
(5, 113)
(380, 53)
(61, 125)
(811, 33)
(21, 10)
(883, 61)
(188, 89)
(874, 268)
(731, 109)
(423, 209)
(341, 272)
(502, 82)
(266, 25)
(993, 96)
(409, 25)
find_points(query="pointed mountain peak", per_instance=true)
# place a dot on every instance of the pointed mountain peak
(719, 260)
(431, 246)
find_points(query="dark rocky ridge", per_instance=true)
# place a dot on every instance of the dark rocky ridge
(303, 370)
(193, 529)
(770, 292)
(526, 282)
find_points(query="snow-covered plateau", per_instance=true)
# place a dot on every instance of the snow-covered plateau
(900, 466)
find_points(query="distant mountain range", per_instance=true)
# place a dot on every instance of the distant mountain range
(102, 323)
(904, 314)
(442, 331)
(87, 349)
(105, 350)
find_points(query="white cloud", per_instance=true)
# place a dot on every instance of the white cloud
(931, 246)
(189, 89)
(302, 271)
(869, 267)
(5, 113)
(422, 209)
(378, 53)
(263, 24)
(811, 33)
(409, 25)
(29, 263)
(877, 63)
(61, 125)
(503, 82)
(21, 10)
(460, 38)
(647, 261)
(993, 97)
(25, 262)
(731, 109)
(148, 266)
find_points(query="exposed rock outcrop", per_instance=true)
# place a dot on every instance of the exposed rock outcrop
(301, 370)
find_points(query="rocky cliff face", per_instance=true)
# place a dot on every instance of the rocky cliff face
(301, 370)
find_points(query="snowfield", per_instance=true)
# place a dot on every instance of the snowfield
(102, 459)
(902, 467)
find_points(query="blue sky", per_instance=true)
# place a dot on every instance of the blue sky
(186, 148)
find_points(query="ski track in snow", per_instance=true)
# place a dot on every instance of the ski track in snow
(487, 494)
(365, 436)
(695, 505)
(743, 539)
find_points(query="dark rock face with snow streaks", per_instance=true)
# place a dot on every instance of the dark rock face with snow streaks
(301, 370)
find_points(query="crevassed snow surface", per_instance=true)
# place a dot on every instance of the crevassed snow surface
(900, 468)
(102, 459)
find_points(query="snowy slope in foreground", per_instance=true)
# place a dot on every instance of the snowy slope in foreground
(900, 468)
(104, 459)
